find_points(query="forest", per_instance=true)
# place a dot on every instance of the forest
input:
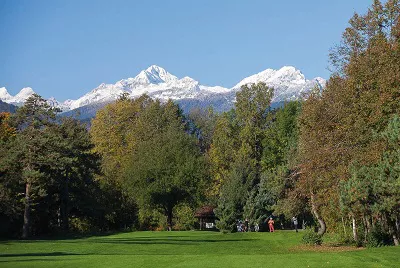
(332, 159)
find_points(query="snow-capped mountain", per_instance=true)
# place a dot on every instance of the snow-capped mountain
(154, 81)
(20, 98)
(4, 95)
(288, 82)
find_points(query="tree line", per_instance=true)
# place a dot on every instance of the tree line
(331, 159)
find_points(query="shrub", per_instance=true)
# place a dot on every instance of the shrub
(378, 238)
(80, 225)
(184, 218)
(310, 237)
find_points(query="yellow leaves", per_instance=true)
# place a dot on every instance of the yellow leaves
(6, 131)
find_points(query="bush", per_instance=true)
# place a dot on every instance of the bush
(378, 238)
(80, 225)
(311, 238)
(184, 218)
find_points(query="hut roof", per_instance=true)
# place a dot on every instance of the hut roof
(205, 211)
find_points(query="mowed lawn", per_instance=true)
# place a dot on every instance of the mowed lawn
(189, 249)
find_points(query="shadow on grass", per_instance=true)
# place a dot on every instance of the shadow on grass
(70, 238)
(61, 236)
(39, 254)
(147, 240)
(166, 241)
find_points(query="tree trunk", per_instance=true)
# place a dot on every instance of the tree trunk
(368, 222)
(322, 225)
(393, 231)
(344, 227)
(364, 223)
(27, 213)
(355, 236)
(169, 219)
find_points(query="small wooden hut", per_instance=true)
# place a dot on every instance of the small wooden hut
(206, 218)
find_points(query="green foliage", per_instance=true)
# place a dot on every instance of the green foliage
(203, 126)
(165, 167)
(378, 237)
(236, 153)
(184, 218)
(278, 160)
(310, 237)
(81, 225)
(260, 204)
(47, 174)
(374, 190)
(280, 142)
(233, 196)
(340, 161)
(222, 151)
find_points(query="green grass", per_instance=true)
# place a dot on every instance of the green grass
(188, 249)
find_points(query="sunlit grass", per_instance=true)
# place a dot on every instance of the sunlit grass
(189, 249)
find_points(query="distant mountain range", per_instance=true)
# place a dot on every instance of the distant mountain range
(6, 107)
(288, 82)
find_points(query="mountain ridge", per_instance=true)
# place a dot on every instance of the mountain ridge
(289, 84)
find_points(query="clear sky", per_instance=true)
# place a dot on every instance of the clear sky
(66, 48)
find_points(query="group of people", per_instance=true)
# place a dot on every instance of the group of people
(271, 223)
(244, 226)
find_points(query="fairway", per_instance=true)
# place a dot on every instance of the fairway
(188, 249)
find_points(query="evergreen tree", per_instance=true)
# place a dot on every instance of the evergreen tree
(30, 148)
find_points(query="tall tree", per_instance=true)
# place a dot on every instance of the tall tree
(252, 107)
(222, 151)
(279, 164)
(31, 122)
(112, 133)
(166, 166)
(337, 125)
(74, 165)
(237, 150)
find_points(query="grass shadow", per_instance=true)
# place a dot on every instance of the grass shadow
(39, 254)
(168, 241)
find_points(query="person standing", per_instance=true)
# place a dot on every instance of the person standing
(246, 224)
(271, 225)
(295, 222)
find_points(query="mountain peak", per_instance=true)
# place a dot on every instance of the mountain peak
(26, 90)
(154, 75)
(25, 93)
(4, 95)
(155, 69)
(289, 73)
(288, 69)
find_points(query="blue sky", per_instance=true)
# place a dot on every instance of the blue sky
(66, 48)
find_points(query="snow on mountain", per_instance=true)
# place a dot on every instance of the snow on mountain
(154, 75)
(64, 106)
(103, 93)
(288, 82)
(25, 93)
(18, 99)
(4, 95)
(154, 81)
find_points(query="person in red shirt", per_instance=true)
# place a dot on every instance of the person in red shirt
(271, 225)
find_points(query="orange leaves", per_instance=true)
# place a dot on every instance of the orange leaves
(6, 130)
